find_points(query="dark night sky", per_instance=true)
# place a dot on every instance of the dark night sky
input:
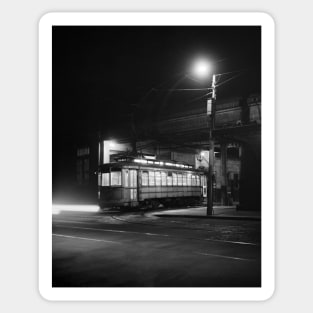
(100, 73)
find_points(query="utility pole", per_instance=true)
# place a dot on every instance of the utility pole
(211, 155)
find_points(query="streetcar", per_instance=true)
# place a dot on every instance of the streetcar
(135, 182)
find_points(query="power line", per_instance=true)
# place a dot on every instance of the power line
(183, 89)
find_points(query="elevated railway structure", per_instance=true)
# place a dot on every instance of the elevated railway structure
(236, 121)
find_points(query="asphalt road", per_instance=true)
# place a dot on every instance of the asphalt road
(134, 250)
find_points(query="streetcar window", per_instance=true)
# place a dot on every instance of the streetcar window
(158, 178)
(105, 181)
(197, 180)
(179, 179)
(116, 178)
(151, 178)
(188, 179)
(169, 179)
(174, 179)
(133, 178)
(125, 178)
(99, 179)
(193, 180)
(184, 179)
(144, 179)
(163, 175)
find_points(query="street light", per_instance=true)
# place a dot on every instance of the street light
(202, 69)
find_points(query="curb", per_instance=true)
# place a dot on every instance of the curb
(226, 217)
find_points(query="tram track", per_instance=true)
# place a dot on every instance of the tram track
(167, 228)
(181, 228)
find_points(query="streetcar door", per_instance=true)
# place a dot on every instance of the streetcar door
(133, 184)
(204, 186)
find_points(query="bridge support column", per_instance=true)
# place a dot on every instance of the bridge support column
(224, 200)
(250, 178)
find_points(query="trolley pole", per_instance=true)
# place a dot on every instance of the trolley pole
(211, 155)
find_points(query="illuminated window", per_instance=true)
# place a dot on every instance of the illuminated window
(83, 151)
(125, 178)
(133, 178)
(184, 179)
(174, 179)
(151, 178)
(169, 179)
(193, 180)
(116, 178)
(158, 178)
(164, 176)
(198, 180)
(188, 179)
(179, 179)
(144, 179)
(105, 179)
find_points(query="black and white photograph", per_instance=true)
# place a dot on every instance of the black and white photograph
(156, 156)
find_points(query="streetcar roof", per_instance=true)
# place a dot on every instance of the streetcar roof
(149, 164)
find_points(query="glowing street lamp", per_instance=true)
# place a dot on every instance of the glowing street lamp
(201, 69)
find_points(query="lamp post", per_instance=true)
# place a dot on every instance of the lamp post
(211, 153)
(202, 70)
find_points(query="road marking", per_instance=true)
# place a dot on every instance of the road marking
(149, 234)
(84, 238)
(224, 256)
(115, 231)
(236, 242)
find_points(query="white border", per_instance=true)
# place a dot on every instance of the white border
(45, 157)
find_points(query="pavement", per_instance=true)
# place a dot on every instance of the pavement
(107, 249)
(219, 212)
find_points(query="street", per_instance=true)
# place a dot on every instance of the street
(114, 249)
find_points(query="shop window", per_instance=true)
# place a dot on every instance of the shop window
(83, 151)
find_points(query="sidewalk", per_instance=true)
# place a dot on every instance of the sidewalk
(219, 212)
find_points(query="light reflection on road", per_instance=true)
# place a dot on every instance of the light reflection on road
(57, 208)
